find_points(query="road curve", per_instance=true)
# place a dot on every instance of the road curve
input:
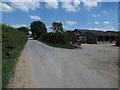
(50, 69)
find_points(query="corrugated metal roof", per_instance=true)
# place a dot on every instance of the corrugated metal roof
(98, 33)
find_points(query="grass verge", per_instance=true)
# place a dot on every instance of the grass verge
(9, 65)
(67, 46)
(13, 42)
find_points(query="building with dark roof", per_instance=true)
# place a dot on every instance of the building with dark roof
(95, 36)
(118, 39)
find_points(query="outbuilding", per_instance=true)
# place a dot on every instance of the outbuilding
(95, 36)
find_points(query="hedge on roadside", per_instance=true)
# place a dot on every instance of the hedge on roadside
(55, 38)
(13, 42)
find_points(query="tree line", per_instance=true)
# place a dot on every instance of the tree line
(57, 37)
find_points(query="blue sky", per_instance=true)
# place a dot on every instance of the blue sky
(80, 15)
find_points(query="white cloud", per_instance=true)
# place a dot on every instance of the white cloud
(5, 8)
(94, 29)
(95, 15)
(35, 17)
(104, 11)
(71, 6)
(91, 3)
(98, 15)
(106, 22)
(51, 3)
(97, 22)
(110, 29)
(103, 29)
(108, 26)
(18, 25)
(76, 2)
(68, 6)
(65, 27)
(25, 6)
(71, 22)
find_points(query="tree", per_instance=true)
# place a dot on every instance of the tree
(37, 29)
(24, 29)
(57, 27)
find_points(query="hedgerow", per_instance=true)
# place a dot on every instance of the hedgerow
(13, 42)
(57, 39)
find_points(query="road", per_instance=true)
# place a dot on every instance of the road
(66, 68)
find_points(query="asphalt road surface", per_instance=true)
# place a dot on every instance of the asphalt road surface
(52, 68)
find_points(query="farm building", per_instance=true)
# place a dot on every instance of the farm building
(74, 37)
(93, 36)
(118, 39)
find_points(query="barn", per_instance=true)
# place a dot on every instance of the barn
(95, 36)
(118, 39)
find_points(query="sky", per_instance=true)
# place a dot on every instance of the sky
(73, 15)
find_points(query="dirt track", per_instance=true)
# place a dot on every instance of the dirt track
(43, 66)
(23, 75)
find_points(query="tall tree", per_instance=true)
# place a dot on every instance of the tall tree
(37, 29)
(57, 27)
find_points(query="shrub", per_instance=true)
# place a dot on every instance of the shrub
(55, 38)
(11, 39)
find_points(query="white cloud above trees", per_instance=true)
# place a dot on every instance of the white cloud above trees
(18, 25)
(51, 3)
(35, 17)
(71, 22)
(102, 29)
(69, 5)
(91, 3)
(25, 6)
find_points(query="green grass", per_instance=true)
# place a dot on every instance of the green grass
(68, 46)
(9, 65)
(13, 42)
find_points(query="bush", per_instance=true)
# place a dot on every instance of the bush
(55, 38)
(13, 42)
(11, 39)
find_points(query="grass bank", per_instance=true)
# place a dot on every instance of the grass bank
(13, 42)
(9, 65)
(58, 45)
